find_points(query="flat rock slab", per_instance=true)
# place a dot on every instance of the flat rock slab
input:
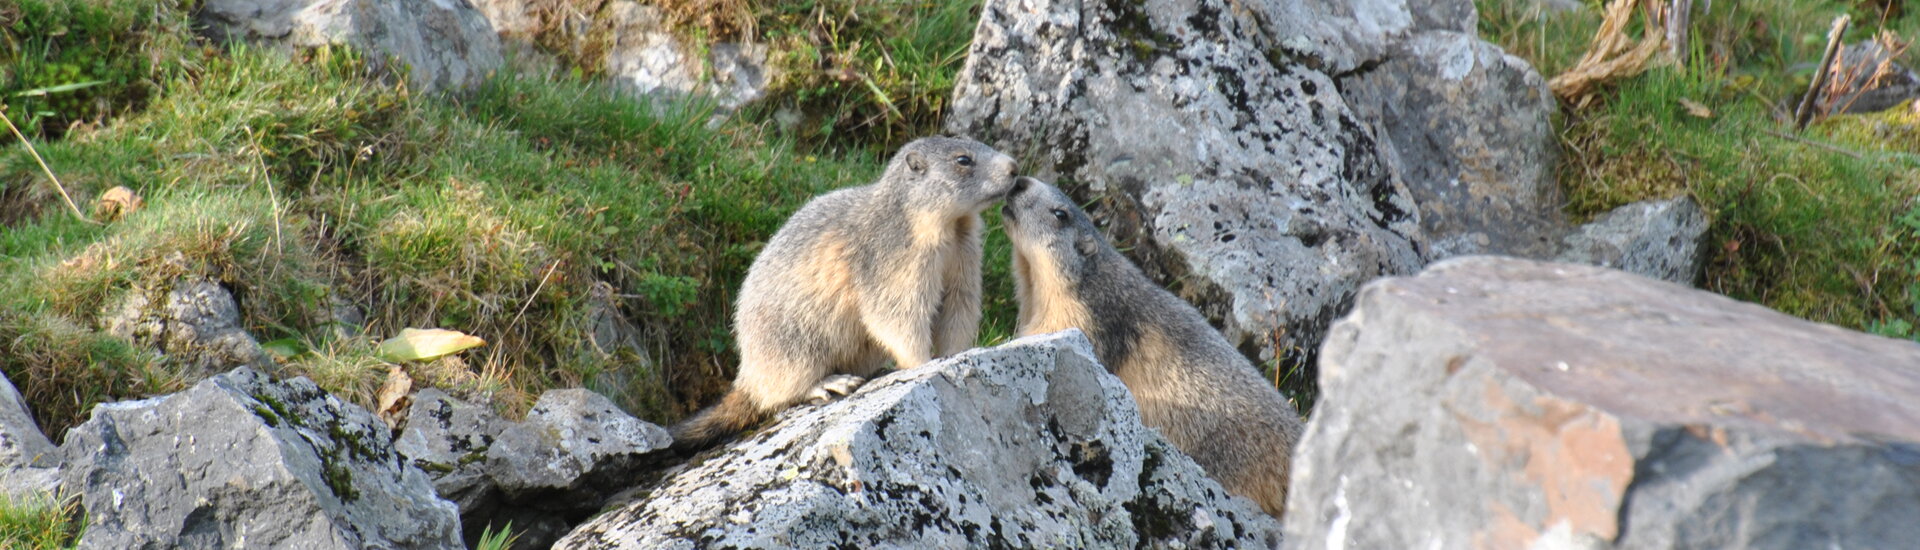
(242, 461)
(1503, 403)
(1031, 444)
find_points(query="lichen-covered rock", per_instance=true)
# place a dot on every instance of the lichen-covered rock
(29, 463)
(241, 461)
(1504, 403)
(1663, 239)
(1212, 151)
(1470, 135)
(449, 439)
(443, 44)
(195, 323)
(574, 443)
(1031, 444)
(574, 450)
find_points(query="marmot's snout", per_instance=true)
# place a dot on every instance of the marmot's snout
(1019, 184)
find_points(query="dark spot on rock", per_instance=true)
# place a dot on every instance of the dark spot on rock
(1308, 87)
(1093, 462)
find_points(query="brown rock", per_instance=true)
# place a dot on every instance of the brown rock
(1503, 403)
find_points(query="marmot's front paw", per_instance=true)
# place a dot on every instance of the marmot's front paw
(833, 387)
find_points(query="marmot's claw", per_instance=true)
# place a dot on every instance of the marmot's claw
(834, 387)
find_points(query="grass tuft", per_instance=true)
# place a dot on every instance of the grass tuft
(39, 522)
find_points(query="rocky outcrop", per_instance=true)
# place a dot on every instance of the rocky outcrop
(1031, 444)
(633, 45)
(1470, 135)
(29, 463)
(195, 324)
(1503, 403)
(1272, 156)
(242, 461)
(544, 474)
(1211, 150)
(443, 44)
(1663, 239)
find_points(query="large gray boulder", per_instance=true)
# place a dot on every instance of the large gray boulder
(1031, 444)
(1664, 239)
(1226, 163)
(241, 461)
(195, 323)
(442, 44)
(1470, 135)
(1503, 403)
(29, 463)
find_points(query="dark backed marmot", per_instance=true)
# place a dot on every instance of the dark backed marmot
(1191, 385)
(858, 277)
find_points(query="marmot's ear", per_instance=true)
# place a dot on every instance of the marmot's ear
(1086, 245)
(915, 161)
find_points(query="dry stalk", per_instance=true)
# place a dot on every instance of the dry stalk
(1804, 114)
(1612, 55)
(44, 169)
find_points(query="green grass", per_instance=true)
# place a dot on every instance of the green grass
(491, 539)
(65, 62)
(863, 73)
(1818, 225)
(524, 212)
(38, 522)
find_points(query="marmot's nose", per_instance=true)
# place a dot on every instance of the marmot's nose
(1020, 185)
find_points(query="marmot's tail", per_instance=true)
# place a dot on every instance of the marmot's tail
(731, 415)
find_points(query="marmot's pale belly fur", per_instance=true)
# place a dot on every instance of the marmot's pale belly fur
(1190, 383)
(858, 278)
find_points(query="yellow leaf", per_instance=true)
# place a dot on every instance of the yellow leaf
(415, 344)
(1696, 109)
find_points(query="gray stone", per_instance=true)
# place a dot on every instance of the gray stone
(645, 58)
(634, 47)
(449, 439)
(195, 324)
(543, 475)
(1876, 81)
(1226, 164)
(1471, 136)
(1663, 239)
(241, 461)
(1504, 403)
(29, 463)
(1031, 444)
(573, 442)
(443, 44)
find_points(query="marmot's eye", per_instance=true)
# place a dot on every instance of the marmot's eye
(964, 160)
(1059, 214)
